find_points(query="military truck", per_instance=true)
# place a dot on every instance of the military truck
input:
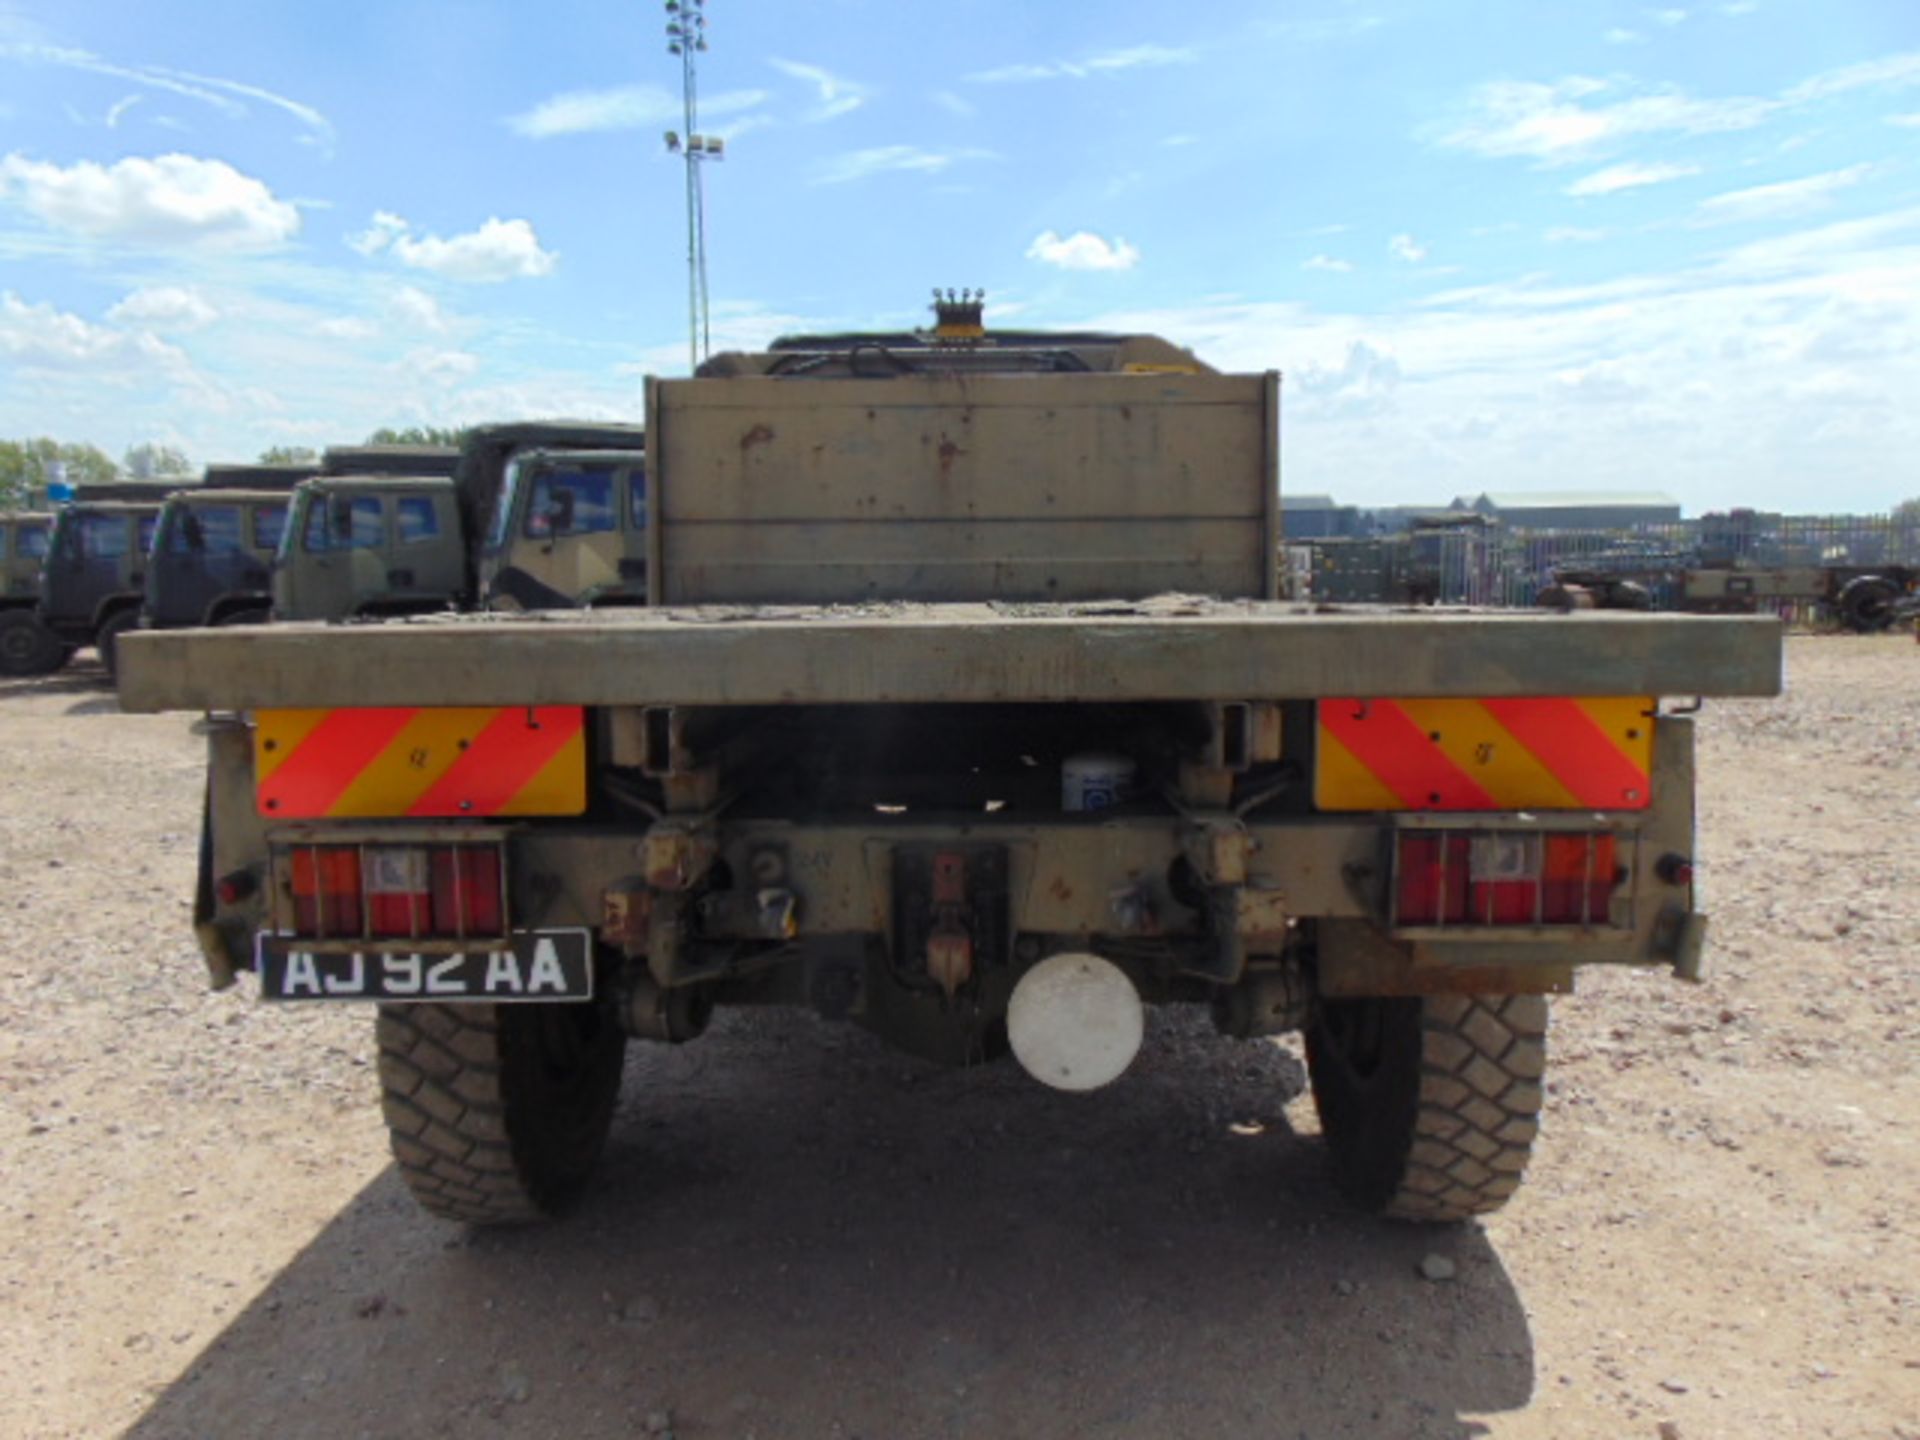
(94, 577)
(27, 647)
(569, 529)
(376, 532)
(212, 560)
(963, 708)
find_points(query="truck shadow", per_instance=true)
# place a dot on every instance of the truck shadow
(799, 1233)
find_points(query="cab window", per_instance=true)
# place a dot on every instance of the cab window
(368, 530)
(3, 541)
(212, 529)
(637, 499)
(148, 524)
(414, 518)
(103, 537)
(570, 500)
(268, 522)
(315, 534)
(32, 541)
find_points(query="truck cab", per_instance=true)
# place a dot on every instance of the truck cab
(95, 572)
(569, 530)
(213, 554)
(363, 545)
(27, 647)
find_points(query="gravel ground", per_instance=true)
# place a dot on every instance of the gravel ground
(801, 1234)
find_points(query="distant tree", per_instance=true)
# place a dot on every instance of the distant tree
(1907, 512)
(417, 435)
(288, 455)
(24, 465)
(150, 461)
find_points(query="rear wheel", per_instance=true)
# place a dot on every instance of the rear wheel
(27, 647)
(497, 1113)
(106, 639)
(253, 615)
(1429, 1105)
(1867, 602)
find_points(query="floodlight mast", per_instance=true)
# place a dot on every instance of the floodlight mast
(686, 37)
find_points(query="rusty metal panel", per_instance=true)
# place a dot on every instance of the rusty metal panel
(961, 488)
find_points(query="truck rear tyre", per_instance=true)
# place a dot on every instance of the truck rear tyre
(27, 647)
(1867, 603)
(1429, 1105)
(106, 640)
(497, 1113)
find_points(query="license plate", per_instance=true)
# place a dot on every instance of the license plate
(535, 965)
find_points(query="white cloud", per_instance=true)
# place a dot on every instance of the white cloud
(1784, 198)
(226, 96)
(837, 96)
(1909, 121)
(165, 307)
(1572, 235)
(1564, 121)
(1669, 18)
(1108, 62)
(1082, 250)
(120, 108)
(626, 107)
(347, 327)
(168, 200)
(415, 307)
(382, 231)
(859, 164)
(1327, 262)
(1629, 177)
(498, 250)
(1363, 383)
(441, 365)
(1889, 72)
(1737, 8)
(39, 336)
(1405, 247)
(953, 104)
(1618, 36)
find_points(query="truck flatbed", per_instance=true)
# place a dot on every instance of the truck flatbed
(1165, 648)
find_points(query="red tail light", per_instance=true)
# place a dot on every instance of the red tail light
(1505, 878)
(398, 892)
(466, 890)
(326, 891)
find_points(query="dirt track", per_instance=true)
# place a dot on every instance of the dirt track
(801, 1234)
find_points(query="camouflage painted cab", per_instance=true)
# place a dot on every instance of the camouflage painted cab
(963, 708)
(95, 574)
(569, 530)
(27, 647)
(212, 562)
(365, 545)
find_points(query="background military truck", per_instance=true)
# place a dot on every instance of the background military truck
(569, 529)
(212, 562)
(376, 532)
(94, 577)
(505, 571)
(27, 647)
(963, 709)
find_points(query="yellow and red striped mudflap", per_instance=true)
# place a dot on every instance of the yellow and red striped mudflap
(1530, 754)
(421, 762)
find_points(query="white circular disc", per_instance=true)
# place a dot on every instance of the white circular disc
(1075, 1021)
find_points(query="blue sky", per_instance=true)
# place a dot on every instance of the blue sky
(1491, 245)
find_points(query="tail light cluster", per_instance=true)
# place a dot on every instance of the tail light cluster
(398, 892)
(1494, 878)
